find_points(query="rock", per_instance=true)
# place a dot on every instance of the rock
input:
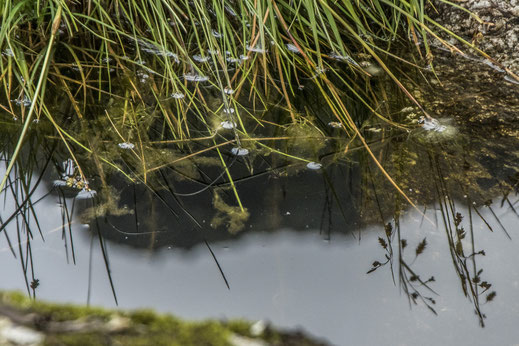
(12, 334)
(498, 35)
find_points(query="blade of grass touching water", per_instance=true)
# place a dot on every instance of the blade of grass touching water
(41, 80)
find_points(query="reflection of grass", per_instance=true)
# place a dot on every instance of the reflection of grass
(21, 225)
(438, 177)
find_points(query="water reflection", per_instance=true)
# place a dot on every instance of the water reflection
(294, 279)
(335, 249)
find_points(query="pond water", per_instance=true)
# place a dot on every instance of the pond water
(332, 248)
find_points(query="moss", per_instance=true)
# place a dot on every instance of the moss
(145, 328)
(55, 312)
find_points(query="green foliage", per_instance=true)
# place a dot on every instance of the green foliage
(168, 73)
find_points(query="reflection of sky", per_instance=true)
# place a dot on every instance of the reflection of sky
(292, 279)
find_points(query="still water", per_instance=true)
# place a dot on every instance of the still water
(295, 278)
(324, 242)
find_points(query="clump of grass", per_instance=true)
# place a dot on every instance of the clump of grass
(167, 72)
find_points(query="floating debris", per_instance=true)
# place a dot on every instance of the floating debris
(231, 11)
(244, 57)
(239, 151)
(228, 125)
(200, 58)
(314, 165)
(192, 77)
(86, 194)
(8, 52)
(126, 145)
(228, 110)
(232, 60)
(216, 33)
(156, 50)
(292, 48)
(407, 110)
(257, 49)
(213, 51)
(319, 71)
(431, 124)
(511, 80)
(178, 95)
(340, 57)
(143, 76)
(335, 124)
(228, 91)
(25, 101)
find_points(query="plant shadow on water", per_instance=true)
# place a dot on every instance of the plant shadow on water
(150, 191)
